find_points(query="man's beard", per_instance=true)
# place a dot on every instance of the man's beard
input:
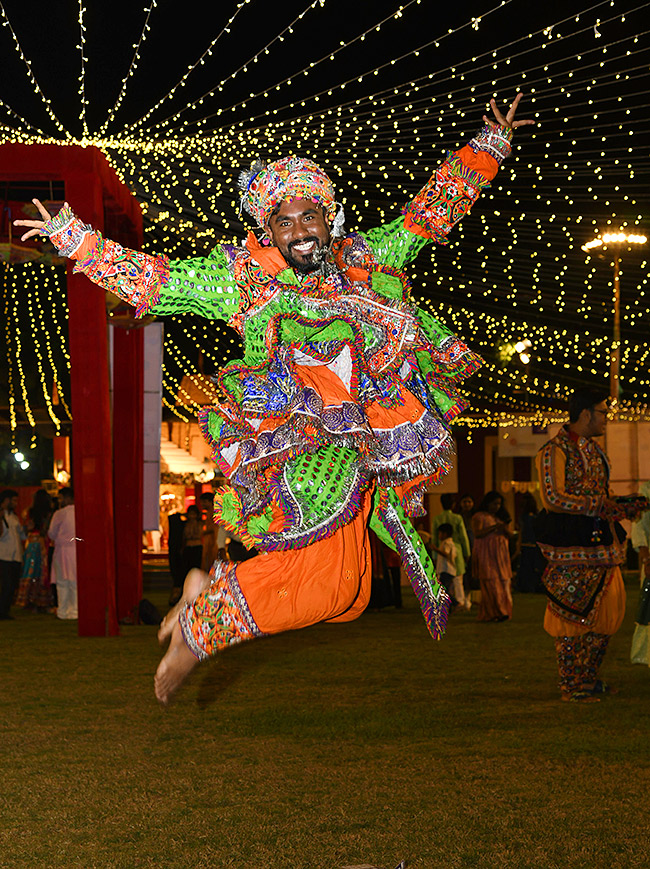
(317, 258)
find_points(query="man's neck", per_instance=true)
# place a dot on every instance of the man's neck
(579, 430)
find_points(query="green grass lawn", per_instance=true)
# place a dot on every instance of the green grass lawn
(334, 746)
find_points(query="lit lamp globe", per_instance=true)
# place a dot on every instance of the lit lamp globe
(615, 240)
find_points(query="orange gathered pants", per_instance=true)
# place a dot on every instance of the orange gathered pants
(285, 590)
(326, 581)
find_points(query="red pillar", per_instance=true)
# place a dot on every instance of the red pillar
(128, 428)
(95, 192)
(92, 468)
(92, 447)
(92, 443)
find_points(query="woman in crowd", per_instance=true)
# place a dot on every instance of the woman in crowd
(34, 591)
(491, 559)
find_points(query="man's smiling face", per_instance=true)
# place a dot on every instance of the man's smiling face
(299, 229)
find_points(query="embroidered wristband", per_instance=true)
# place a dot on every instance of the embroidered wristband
(66, 231)
(495, 140)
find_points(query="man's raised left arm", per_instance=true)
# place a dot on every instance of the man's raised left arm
(450, 192)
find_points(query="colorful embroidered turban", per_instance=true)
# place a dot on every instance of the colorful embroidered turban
(265, 187)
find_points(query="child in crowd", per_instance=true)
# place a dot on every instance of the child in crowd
(446, 565)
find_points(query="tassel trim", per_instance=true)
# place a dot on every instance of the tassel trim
(434, 601)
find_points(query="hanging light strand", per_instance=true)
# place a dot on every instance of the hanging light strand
(82, 78)
(477, 86)
(173, 408)
(11, 390)
(41, 372)
(430, 76)
(376, 70)
(14, 326)
(32, 78)
(20, 119)
(330, 55)
(207, 53)
(54, 289)
(132, 68)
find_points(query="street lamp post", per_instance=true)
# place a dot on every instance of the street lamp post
(617, 241)
(615, 352)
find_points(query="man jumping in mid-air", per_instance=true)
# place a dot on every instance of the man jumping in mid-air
(338, 415)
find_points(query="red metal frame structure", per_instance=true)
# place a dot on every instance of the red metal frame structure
(106, 455)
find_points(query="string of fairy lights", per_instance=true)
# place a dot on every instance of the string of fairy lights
(133, 66)
(83, 102)
(413, 53)
(200, 62)
(515, 269)
(35, 314)
(37, 89)
(328, 56)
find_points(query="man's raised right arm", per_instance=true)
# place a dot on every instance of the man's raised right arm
(151, 283)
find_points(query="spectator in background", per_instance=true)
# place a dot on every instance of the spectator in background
(64, 562)
(461, 543)
(381, 594)
(232, 544)
(491, 559)
(386, 587)
(531, 561)
(582, 539)
(466, 511)
(209, 534)
(446, 561)
(34, 589)
(41, 510)
(227, 545)
(11, 551)
(640, 537)
(192, 539)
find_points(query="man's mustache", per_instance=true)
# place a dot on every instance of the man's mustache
(309, 238)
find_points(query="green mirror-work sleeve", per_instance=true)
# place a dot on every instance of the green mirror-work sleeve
(393, 244)
(151, 283)
(204, 286)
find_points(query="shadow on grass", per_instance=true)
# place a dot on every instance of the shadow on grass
(215, 680)
(216, 677)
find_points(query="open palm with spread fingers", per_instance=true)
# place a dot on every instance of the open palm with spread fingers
(509, 120)
(37, 225)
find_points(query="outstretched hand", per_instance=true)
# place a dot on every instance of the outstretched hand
(37, 225)
(509, 120)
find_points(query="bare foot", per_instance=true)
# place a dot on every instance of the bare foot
(196, 581)
(176, 665)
